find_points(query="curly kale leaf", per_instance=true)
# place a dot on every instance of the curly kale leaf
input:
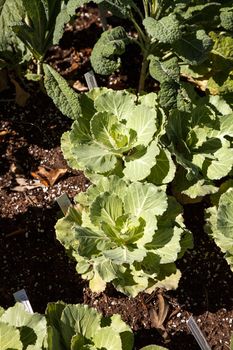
(104, 58)
(164, 70)
(193, 48)
(226, 17)
(166, 30)
(168, 94)
(168, 74)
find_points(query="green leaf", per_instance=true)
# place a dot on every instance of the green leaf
(168, 94)
(77, 342)
(106, 208)
(67, 150)
(221, 165)
(225, 214)
(64, 227)
(182, 187)
(226, 17)
(106, 269)
(62, 95)
(143, 121)
(164, 170)
(32, 32)
(66, 12)
(101, 125)
(107, 338)
(81, 319)
(80, 131)
(119, 103)
(107, 131)
(37, 28)
(141, 198)
(90, 243)
(194, 48)
(54, 329)
(110, 45)
(95, 157)
(165, 30)
(32, 327)
(124, 255)
(12, 50)
(112, 184)
(138, 166)
(126, 333)
(164, 70)
(219, 225)
(9, 337)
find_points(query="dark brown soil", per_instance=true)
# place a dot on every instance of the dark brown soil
(32, 258)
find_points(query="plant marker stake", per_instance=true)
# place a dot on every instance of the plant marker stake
(198, 335)
(64, 203)
(90, 79)
(21, 296)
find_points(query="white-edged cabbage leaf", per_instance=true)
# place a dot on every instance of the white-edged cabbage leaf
(130, 234)
(118, 135)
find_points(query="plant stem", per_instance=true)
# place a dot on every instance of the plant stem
(143, 72)
(141, 35)
(145, 4)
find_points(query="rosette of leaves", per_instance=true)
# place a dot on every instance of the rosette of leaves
(127, 234)
(219, 220)
(83, 328)
(119, 134)
(37, 27)
(201, 141)
(12, 50)
(21, 330)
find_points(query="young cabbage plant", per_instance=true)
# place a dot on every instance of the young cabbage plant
(129, 234)
(64, 327)
(114, 132)
(118, 133)
(12, 51)
(83, 328)
(201, 142)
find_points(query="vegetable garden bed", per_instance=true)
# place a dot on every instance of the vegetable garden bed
(33, 174)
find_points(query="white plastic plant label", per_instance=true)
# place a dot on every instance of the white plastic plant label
(197, 333)
(64, 203)
(21, 296)
(90, 79)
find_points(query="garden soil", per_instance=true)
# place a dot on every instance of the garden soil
(33, 174)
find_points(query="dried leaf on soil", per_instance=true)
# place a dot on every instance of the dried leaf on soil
(48, 176)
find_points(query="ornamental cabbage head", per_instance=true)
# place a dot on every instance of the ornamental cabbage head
(118, 133)
(129, 234)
